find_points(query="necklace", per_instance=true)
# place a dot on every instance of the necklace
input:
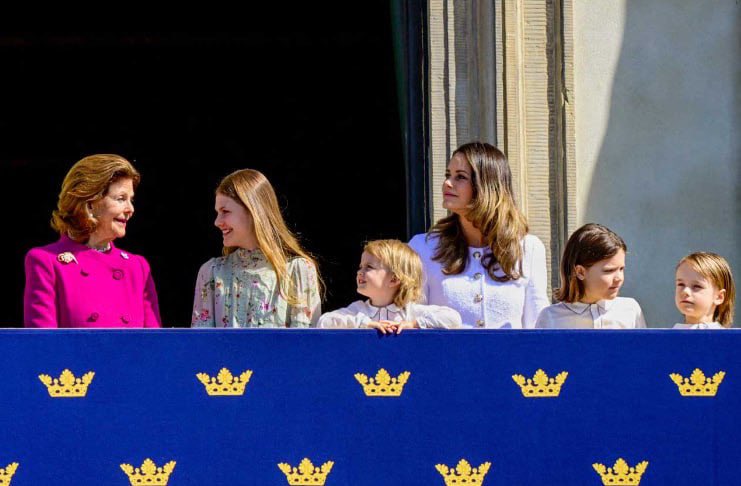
(102, 250)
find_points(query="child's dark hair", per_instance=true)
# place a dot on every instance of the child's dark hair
(586, 246)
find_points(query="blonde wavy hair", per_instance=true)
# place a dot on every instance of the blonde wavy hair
(85, 183)
(716, 269)
(493, 211)
(404, 264)
(251, 189)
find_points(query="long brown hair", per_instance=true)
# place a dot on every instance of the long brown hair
(493, 211)
(87, 182)
(586, 246)
(252, 190)
(716, 269)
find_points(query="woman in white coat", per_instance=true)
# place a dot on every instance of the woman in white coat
(480, 259)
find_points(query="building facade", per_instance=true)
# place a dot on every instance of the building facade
(616, 112)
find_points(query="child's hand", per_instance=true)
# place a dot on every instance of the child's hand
(384, 327)
(392, 327)
(397, 327)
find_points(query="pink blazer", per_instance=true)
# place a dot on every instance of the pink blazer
(71, 285)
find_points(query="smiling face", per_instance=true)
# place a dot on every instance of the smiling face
(695, 296)
(375, 281)
(458, 185)
(112, 212)
(602, 280)
(235, 223)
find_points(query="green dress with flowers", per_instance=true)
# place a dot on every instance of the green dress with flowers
(241, 290)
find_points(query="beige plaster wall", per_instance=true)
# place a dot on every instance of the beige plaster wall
(658, 117)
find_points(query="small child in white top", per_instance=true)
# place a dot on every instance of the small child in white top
(390, 275)
(704, 292)
(592, 272)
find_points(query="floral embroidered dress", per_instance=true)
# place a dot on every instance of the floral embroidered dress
(241, 290)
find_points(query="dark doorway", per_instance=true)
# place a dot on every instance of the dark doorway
(312, 104)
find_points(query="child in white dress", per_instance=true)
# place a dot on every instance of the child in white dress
(265, 278)
(592, 272)
(390, 275)
(704, 292)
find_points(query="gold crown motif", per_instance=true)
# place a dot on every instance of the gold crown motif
(6, 473)
(540, 386)
(463, 473)
(149, 474)
(620, 473)
(67, 386)
(225, 384)
(306, 474)
(697, 385)
(383, 385)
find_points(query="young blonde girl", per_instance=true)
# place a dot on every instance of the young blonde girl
(390, 275)
(704, 292)
(592, 273)
(265, 278)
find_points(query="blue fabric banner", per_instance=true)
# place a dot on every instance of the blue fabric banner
(293, 395)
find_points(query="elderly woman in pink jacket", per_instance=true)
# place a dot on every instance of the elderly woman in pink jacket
(83, 280)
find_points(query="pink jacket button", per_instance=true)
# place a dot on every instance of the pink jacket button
(118, 274)
(93, 317)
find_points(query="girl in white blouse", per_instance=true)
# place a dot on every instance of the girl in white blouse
(704, 292)
(265, 278)
(390, 275)
(480, 259)
(592, 272)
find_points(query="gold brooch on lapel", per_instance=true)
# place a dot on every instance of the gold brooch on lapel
(66, 257)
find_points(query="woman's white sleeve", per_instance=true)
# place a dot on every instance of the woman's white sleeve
(536, 292)
(436, 317)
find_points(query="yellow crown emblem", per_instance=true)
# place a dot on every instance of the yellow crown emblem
(225, 384)
(540, 386)
(620, 473)
(6, 473)
(306, 474)
(463, 473)
(67, 386)
(697, 385)
(149, 474)
(383, 385)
